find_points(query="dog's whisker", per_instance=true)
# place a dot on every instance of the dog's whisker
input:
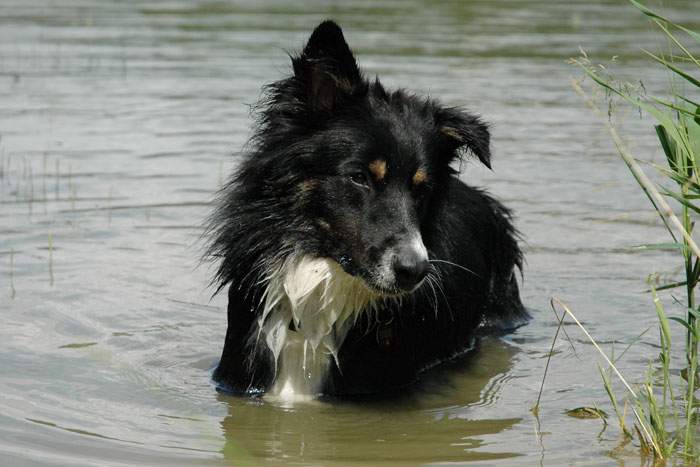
(447, 301)
(430, 280)
(453, 264)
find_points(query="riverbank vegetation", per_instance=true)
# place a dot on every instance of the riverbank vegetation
(663, 405)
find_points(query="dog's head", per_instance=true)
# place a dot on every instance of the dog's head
(366, 162)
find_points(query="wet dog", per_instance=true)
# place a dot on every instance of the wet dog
(355, 258)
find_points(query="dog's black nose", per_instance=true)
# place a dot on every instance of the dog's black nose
(410, 269)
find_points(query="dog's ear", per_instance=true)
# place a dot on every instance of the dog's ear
(327, 67)
(459, 129)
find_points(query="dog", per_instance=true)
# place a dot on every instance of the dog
(355, 258)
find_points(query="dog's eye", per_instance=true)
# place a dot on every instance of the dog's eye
(360, 179)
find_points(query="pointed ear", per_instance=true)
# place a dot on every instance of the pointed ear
(327, 67)
(459, 129)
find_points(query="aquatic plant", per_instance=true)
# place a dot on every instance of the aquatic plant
(655, 404)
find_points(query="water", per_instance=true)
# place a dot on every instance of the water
(119, 121)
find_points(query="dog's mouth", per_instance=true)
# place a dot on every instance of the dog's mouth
(384, 292)
(395, 291)
(367, 280)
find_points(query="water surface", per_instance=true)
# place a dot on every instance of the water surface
(118, 122)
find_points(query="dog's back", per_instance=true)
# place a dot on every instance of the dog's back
(356, 258)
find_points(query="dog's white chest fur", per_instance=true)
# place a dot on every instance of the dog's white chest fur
(310, 304)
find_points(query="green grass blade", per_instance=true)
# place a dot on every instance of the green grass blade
(694, 312)
(682, 322)
(672, 285)
(652, 14)
(692, 127)
(667, 145)
(690, 78)
(663, 321)
(613, 401)
(681, 179)
(673, 106)
(690, 101)
(689, 56)
(681, 199)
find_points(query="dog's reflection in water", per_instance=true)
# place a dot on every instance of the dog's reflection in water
(433, 422)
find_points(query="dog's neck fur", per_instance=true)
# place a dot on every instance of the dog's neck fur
(309, 306)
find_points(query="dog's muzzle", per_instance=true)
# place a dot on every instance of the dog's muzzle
(411, 265)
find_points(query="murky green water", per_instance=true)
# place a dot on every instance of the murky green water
(117, 124)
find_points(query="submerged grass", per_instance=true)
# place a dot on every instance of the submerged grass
(664, 406)
(653, 412)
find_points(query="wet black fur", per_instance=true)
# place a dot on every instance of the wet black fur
(291, 192)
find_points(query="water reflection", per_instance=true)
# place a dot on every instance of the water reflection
(433, 423)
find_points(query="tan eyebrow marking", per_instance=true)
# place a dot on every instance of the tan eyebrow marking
(307, 185)
(305, 188)
(378, 169)
(419, 177)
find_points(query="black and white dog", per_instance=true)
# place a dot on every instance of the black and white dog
(355, 257)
